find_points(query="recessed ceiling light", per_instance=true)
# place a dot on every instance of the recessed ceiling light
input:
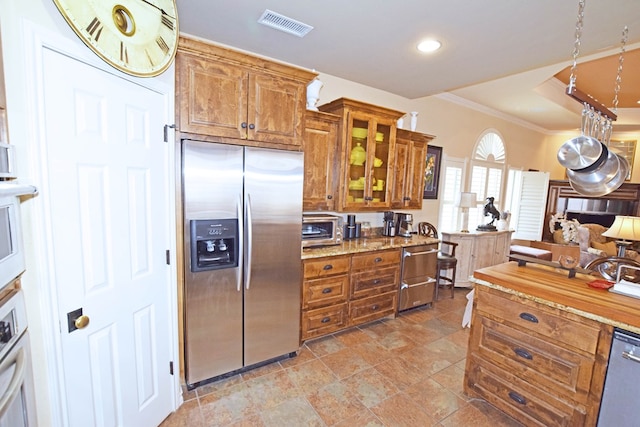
(429, 45)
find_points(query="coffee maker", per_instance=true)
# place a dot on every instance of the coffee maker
(389, 224)
(405, 224)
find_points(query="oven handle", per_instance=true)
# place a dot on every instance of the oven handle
(16, 382)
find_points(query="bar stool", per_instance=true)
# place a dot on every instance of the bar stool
(447, 261)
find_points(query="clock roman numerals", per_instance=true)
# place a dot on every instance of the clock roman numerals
(95, 28)
(124, 55)
(167, 22)
(162, 44)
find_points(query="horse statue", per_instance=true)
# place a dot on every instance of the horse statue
(489, 209)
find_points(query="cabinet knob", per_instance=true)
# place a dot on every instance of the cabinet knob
(329, 196)
(517, 398)
(375, 307)
(326, 320)
(376, 281)
(529, 317)
(378, 259)
(327, 267)
(243, 125)
(523, 353)
(326, 291)
(252, 126)
(406, 199)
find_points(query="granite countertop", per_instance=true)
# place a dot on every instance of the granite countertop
(552, 287)
(377, 243)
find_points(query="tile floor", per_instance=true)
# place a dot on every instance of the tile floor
(406, 371)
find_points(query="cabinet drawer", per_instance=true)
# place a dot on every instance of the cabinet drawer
(522, 401)
(372, 308)
(375, 259)
(374, 282)
(555, 369)
(324, 321)
(325, 291)
(532, 317)
(326, 267)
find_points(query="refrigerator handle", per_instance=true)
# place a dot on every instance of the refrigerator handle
(241, 240)
(249, 225)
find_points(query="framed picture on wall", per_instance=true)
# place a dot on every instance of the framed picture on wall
(432, 172)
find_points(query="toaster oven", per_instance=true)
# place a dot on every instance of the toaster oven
(321, 230)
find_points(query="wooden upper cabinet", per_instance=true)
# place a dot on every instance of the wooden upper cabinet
(320, 167)
(408, 175)
(367, 137)
(226, 94)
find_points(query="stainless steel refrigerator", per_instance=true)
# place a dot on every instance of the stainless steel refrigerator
(242, 221)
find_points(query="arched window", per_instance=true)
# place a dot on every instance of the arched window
(488, 166)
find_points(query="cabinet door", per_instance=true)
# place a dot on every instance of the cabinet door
(408, 173)
(320, 148)
(211, 97)
(484, 251)
(276, 109)
(502, 247)
(370, 154)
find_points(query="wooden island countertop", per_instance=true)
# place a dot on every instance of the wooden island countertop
(552, 287)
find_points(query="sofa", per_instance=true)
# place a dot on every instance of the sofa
(594, 245)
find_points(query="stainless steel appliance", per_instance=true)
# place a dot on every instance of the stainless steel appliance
(321, 230)
(242, 221)
(417, 277)
(7, 162)
(389, 224)
(11, 246)
(405, 224)
(619, 404)
(17, 405)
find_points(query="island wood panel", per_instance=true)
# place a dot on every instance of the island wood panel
(552, 285)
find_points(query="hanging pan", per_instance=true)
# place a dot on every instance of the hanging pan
(602, 177)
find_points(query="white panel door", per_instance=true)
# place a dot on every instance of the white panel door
(106, 166)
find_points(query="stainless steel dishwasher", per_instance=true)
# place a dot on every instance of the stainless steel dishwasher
(417, 278)
(619, 405)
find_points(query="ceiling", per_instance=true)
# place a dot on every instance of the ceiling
(500, 55)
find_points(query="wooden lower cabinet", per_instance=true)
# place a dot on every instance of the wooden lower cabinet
(541, 365)
(348, 290)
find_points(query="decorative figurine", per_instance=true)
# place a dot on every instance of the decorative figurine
(489, 209)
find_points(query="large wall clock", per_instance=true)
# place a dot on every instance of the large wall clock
(138, 37)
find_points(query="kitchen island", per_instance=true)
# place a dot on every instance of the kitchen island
(540, 342)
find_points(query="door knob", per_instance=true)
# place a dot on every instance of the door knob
(77, 320)
(81, 322)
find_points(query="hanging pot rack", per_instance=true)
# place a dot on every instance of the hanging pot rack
(592, 169)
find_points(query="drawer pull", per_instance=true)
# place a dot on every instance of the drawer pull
(376, 281)
(326, 320)
(529, 317)
(523, 353)
(378, 259)
(375, 307)
(517, 398)
(327, 267)
(326, 291)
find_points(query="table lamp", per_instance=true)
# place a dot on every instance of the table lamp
(466, 201)
(626, 229)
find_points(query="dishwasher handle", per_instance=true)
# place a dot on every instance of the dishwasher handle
(630, 356)
(407, 253)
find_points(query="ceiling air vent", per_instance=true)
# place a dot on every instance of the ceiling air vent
(282, 23)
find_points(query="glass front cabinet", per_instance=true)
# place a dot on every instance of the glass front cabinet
(368, 136)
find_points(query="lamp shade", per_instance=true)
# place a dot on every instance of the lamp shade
(467, 200)
(624, 228)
